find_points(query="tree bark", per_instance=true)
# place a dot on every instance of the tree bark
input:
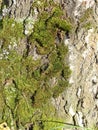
(19, 9)
(78, 105)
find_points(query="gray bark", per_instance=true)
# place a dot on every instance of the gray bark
(19, 9)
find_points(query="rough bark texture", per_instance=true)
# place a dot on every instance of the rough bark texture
(78, 105)
(19, 9)
(81, 99)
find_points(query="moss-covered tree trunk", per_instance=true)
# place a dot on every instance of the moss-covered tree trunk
(33, 63)
(40, 41)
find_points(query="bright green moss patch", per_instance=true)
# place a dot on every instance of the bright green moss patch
(61, 24)
(47, 120)
(49, 21)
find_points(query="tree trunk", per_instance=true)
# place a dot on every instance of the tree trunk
(76, 105)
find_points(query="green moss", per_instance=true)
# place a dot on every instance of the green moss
(57, 66)
(57, 90)
(86, 15)
(11, 94)
(1, 104)
(24, 114)
(11, 30)
(1, 23)
(41, 97)
(95, 128)
(57, 11)
(66, 72)
(61, 24)
(51, 124)
(48, 23)
(48, 119)
(37, 74)
(43, 36)
(88, 25)
(27, 97)
(43, 50)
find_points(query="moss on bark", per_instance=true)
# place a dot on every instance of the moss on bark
(26, 84)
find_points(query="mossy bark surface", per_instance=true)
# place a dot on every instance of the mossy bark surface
(48, 64)
(34, 68)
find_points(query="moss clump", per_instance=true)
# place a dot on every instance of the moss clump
(61, 24)
(10, 31)
(42, 35)
(49, 21)
(48, 38)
